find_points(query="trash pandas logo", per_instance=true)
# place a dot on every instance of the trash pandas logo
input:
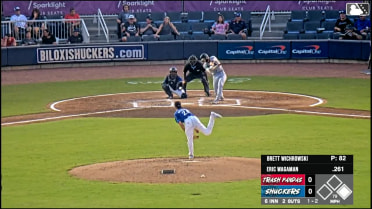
(310, 49)
(242, 50)
(277, 49)
(357, 8)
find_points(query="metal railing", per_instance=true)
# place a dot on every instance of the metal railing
(102, 24)
(265, 19)
(58, 27)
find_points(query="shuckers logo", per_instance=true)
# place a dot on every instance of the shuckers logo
(277, 49)
(242, 50)
(310, 49)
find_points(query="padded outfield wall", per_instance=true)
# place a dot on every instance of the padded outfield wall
(181, 50)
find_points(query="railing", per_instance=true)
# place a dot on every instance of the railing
(102, 24)
(58, 27)
(265, 19)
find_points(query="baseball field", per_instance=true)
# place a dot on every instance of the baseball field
(68, 135)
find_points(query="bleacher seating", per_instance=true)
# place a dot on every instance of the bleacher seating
(183, 27)
(158, 17)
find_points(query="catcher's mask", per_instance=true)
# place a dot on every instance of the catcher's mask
(204, 57)
(193, 60)
(173, 72)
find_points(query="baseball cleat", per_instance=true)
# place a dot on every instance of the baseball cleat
(191, 157)
(207, 94)
(216, 115)
(221, 99)
(170, 97)
(215, 101)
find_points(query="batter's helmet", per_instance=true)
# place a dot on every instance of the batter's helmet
(193, 60)
(204, 57)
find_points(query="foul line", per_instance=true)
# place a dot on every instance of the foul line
(68, 116)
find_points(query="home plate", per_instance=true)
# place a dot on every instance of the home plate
(190, 161)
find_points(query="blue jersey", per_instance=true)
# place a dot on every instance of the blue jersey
(182, 114)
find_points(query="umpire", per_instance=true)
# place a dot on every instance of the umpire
(196, 70)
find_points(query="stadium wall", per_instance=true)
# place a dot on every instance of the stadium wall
(180, 50)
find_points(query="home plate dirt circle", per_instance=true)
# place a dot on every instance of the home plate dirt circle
(203, 169)
(137, 104)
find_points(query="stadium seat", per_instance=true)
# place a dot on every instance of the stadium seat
(175, 17)
(210, 16)
(184, 36)
(199, 27)
(183, 27)
(134, 39)
(233, 36)
(311, 26)
(141, 17)
(290, 36)
(314, 15)
(331, 15)
(306, 36)
(246, 15)
(297, 15)
(158, 17)
(194, 16)
(294, 27)
(218, 37)
(200, 36)
(322, 36)
(166, 37)
(149, 38)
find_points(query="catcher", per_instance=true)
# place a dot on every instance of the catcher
(173, 84)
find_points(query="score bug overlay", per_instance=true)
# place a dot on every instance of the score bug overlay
(307, 179)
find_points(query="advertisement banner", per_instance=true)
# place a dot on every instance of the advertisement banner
(91, 53)
(309, 49)
(220, 5)
(236, 50)
(272, 50)
(89, 7)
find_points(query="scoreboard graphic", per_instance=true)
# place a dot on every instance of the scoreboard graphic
(306, 179)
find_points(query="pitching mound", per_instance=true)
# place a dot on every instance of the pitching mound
(206, 169)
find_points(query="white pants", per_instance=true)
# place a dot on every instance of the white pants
(219, 80)
(193, 122)
(179, 92)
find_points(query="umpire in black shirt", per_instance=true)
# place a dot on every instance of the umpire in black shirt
(196, 70)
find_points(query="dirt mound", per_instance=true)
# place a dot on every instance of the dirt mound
(203, 169)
